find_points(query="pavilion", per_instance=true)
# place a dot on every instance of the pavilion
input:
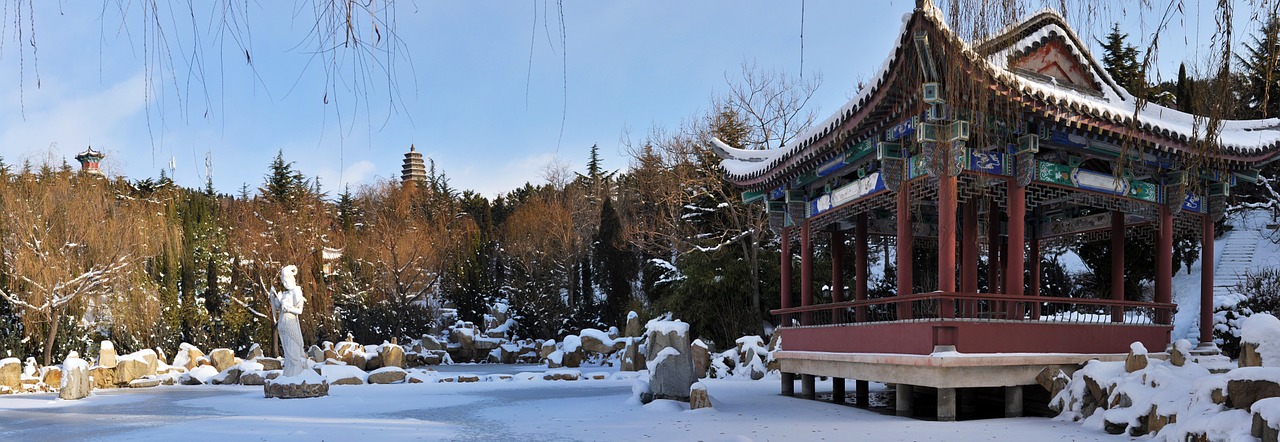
(995, 148)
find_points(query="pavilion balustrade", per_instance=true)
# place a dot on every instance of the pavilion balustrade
(943, 306)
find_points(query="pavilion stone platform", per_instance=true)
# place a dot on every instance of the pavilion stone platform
(961, 158)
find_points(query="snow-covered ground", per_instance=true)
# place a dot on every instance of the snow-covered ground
(587, 410)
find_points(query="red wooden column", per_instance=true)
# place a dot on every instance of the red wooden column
(1034, 261)
(862, 265)
(969, 256)
(946, 242)
(786, 269)
(1164, 263)
(1016, 256)
(1117, 263)
(993, 247)
(806, 272)
(1206, 281)
(969, 248)
(837, 266)
(904, 247)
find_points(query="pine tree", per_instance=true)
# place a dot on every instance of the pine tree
(283, 184)
(615, 264)
(1183, 91)
(1120, 59)
(346, 209)
(1260, 64)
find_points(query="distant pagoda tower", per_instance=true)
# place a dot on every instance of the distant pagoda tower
(414, 170)
(89, 160)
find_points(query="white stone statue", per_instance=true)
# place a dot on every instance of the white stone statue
(288, 305)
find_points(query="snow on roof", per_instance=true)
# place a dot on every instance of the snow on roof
(1113, 104)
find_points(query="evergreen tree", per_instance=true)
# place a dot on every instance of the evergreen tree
(283, 184)
(1120, 59)
(1183, 91)
(346, 209)
(1260, 64)
(615, 264)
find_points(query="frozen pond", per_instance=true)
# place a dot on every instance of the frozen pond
(586, 410)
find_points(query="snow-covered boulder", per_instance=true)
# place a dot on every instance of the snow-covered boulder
(669, 359)
(188, 356)
(74, 383)
(305, 384)
(698, 397)
(387, 375)
(634, 329)
(701, 358)
(135, 366)
(107, 355)
(1260, 341)
(222, 359)
(199, 375)
(11, 373)
(343, 375)
(392, 355)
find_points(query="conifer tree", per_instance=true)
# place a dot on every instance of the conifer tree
(1120, 59)
(1183, 91)
(1260, 65)
(283, 184)
(615, 264)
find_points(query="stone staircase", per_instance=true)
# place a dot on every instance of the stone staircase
(1236, 259)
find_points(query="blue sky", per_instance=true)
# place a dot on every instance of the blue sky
(469, 93)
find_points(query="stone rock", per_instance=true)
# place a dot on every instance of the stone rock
(1096, 392)
(1249, 356)
(144, 383)
(701, 359)
(1263, 430)
(75, 383)
(229, 377)
(349, 380)
(670, 360)
(103, 377)
(1242, 393)
(1217, 396)
(485, 345)
(1157, 422)
(698, 397)
(468, 378)
(387, 376)
(1177, 357)
(561, 375)
(160, 357)
(222, 359)
(53, 376)
(194, 356)
(358, 361)
(393, 355)
(107, 355)
(295, 391)
(593, 344)
(128, 369)
(330, 354)
(432, 357)
(547, 348)
(255, 352)
(252, 378)
(11, 373)
(634, 328)
(429, 342)
(373, 363)
(572, 359)
(269, 364)
(464, 336)
(1053, 379)
(315, 353)
(632, 359)
(1135, 362)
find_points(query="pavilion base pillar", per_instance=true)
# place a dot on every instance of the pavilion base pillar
(1013, 401)
(946, 405)
(1206, 349)
(806, 387)
(837, 390)
(862, 397)
(788, 384)
(903, 401)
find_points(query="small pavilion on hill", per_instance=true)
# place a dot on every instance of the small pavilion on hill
(992, 149)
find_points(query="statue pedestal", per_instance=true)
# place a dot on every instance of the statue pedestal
(303, 385)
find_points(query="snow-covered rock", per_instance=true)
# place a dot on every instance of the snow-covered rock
(107, 355)
(387, 375)
(669, 359)
(75, 378)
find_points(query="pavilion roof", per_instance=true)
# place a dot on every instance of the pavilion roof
(1097, 102)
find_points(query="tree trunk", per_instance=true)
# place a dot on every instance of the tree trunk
(753, 254)
(55, 319)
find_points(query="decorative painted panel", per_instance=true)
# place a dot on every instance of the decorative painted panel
(1096, 181)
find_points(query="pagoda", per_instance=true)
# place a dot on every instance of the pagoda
(89, 160)
(987, 152)
(414, 170)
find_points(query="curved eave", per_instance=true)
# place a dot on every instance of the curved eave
(819, 145)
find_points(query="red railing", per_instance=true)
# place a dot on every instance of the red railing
(937, 306)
